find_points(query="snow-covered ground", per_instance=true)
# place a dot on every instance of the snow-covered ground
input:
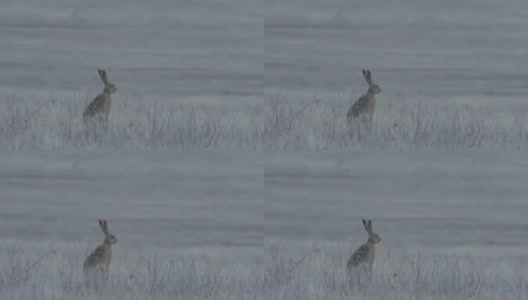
(190, 174)
(246, 75)
(453, 74)
(452, 224)
(224, 225)
(199, 216)
(189, 73)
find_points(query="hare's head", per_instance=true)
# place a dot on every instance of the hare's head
(108, 86)
(373, 88)
(110, 239)
(373, 237)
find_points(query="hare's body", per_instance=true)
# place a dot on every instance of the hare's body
(366, 104)
(102, 255)
(100, 106)
(364, 255)
(364, 107)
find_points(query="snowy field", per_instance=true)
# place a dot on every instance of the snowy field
(179, 213)
(453, 224)
(244, 75)
(211, 174)
(453, 74)
(224, 226)
(189, 73)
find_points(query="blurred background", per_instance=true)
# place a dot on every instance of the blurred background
(432, 51)
(168, 51)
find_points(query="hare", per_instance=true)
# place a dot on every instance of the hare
(102, 255)
(102, 103)
(366, 104)
(365, 253)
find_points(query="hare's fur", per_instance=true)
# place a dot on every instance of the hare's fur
(100, 106)
(102, 255)
(365, 254)
(366, 104)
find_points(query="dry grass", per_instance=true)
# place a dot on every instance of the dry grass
(58, 275)
(318, 124)
(57, 125)
(316, 273)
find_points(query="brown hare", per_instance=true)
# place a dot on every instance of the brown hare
(101, 257)
(366, 104)
(364, 255)
(100, 106)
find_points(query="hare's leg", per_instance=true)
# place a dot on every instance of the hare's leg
(106, 120)
(101, 120)
(359, 124)
(363, 122)
(89, 128)
(364, 118)
(107, 266)
(370, 118)
(106, 271)
(353, 128)
(96, 124)
(90, 278)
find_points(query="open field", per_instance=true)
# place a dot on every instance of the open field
(436, 52)
(282, 125)
(196, 215)
(160, 51)
(223, 226)
(228, 172)
(243, 75)
(189, 74)
(452, 74)
(319, 124)
(452, 224)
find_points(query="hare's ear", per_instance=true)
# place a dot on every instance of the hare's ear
(370, 225)
(365, 225)
(368, 76)
(104, 226)
(102, 74)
